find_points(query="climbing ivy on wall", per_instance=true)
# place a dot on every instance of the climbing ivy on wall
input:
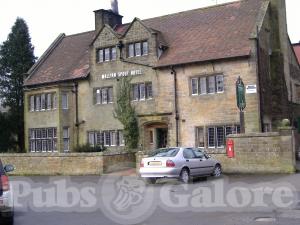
(126, 114)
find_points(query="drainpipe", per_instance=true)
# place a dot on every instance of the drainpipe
(176, 105)
(259, 79)
(76, 113)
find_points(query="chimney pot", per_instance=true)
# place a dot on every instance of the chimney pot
(114, 6)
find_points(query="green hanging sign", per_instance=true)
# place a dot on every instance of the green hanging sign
(240, 94)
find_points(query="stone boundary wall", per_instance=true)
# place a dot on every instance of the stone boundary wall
(68, 163)
(118, 161)
(261, 153)
(257, 153)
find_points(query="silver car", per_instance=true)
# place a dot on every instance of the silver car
(6, 198)
(179, 162)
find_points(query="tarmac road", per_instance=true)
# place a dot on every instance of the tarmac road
(113, 199)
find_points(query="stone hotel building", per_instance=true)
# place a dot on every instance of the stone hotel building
(182, 67)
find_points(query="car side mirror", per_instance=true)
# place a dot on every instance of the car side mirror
(9, 168)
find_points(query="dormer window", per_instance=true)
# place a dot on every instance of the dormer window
(138, 49)
(106, 54)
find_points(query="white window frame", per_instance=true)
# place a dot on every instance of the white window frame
(208, 136)
(32, 146)
(121, 138)
(64, 100)
(198, 135)
(137, 49)
(66, 139)
(195, 79)
(110, 95)
(91, 138)
(106, 142)
(43, 102)
(209, 83)
(142, 92)
(98, 96)
(32, 105)
(136, 92)
(54, 101)
(49, 101)
(113, 54)
(107, 54)
(100, 55)
(104, 96)
(224, 136)
(39, 138)
(147, 85)
(205, 83)
(201, 87)
(113, 138)
(131, 50)
(145, 45)
(38, 102)
(107, 138)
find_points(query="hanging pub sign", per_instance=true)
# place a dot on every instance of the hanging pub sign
(240, 94)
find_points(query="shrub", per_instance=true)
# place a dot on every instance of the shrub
(88, 148)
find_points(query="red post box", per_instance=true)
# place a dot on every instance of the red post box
(230, 148)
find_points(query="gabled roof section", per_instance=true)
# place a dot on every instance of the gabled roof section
(66, 59)
(117, 35)
(297, 51)
(128, 27)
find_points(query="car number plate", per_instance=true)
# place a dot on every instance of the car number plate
(154, 163)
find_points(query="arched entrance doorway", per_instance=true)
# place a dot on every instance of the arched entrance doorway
(155, 135)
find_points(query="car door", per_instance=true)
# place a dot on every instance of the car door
(191, 161)
(205, 165)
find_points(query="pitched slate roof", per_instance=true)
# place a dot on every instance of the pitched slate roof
(297, 51)
(67, 59)
(217, 32)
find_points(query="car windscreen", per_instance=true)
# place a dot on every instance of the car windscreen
(165, 152)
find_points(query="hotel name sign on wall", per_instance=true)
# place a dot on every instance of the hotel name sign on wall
(119, 74)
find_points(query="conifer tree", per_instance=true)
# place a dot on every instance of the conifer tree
(16, 58)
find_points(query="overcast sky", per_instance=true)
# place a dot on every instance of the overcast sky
(46, 19)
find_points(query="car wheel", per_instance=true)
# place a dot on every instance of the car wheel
(150, 180)
(217, 171)
(185, 176)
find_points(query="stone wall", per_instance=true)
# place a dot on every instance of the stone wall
(261, 153)
(68, 163)
(256, 153)
(117, 161)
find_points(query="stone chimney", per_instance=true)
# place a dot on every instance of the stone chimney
(109, 17)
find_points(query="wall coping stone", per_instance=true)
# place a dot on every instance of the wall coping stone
(52, 154)
(268, 134)
(117, 153)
